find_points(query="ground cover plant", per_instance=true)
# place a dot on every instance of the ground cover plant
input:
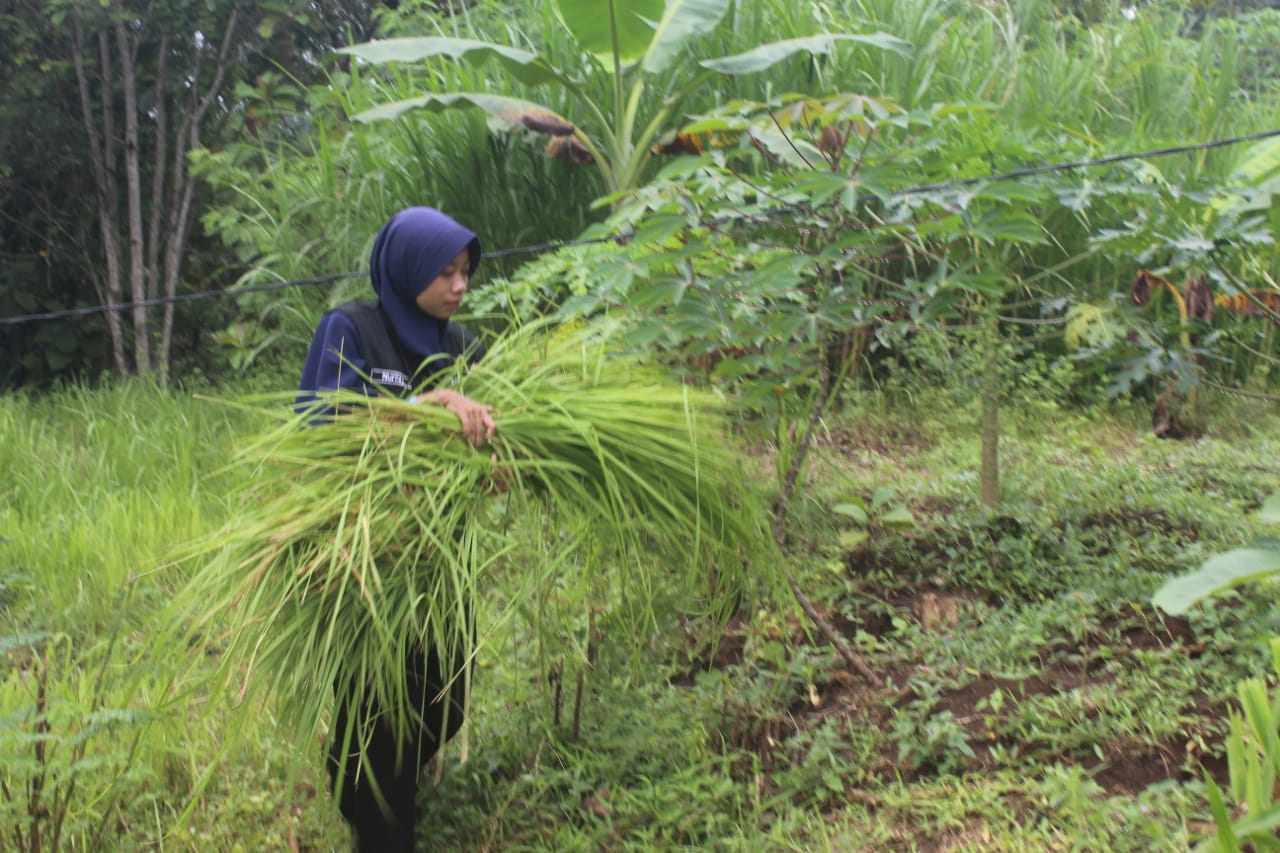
(1031, 697)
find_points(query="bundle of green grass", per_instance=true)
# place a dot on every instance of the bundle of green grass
(364, 539)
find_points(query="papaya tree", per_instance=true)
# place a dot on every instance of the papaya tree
(634, 42)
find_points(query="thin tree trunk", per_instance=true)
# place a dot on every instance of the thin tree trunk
(101, 157)
(133, 197)
(156, 218)
(183, 185)
(989, 491)
(159, 189)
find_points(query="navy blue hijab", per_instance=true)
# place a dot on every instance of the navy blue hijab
(409, 252)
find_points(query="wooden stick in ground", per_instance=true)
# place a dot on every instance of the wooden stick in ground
(780, 536)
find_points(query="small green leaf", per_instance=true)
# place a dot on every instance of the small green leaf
(898, 516)
(850, 539)
(851, 510)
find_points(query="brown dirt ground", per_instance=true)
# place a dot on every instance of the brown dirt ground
(1121, 767)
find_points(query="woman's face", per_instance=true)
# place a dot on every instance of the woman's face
(443, 296)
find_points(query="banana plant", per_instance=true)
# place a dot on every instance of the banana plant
(634, 41)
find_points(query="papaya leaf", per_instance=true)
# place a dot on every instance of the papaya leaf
(1218, 573)
(1092, 326)
(768, 55)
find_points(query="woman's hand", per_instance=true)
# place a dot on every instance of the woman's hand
(476, 418)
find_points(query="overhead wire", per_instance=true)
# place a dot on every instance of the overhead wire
(623, 236)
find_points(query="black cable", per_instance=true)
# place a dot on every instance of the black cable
(1097, 161)
(181, 297)
(624, 236)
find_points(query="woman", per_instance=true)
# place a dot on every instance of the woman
(420, 268)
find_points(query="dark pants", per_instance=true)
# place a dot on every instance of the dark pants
(394, 767)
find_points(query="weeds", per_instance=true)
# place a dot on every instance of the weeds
(71, 738)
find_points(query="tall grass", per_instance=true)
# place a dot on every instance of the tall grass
(100, 484)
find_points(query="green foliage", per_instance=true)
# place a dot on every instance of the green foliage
(630, 41)
(762, 742)
(865, 518)
(1253, 744)
(108, 103)
(828, 256)
(310, 207)
(1048, 243)
(71, 736)
(775, 264)
(84, 463)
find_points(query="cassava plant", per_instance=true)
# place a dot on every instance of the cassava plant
(368, 536)
(785, 262)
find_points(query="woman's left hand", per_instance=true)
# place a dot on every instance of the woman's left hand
(476, 418)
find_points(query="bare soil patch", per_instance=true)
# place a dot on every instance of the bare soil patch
(1122, 766)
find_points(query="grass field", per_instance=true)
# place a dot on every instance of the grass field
(1026, 694)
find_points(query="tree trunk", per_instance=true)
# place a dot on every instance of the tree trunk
(159, 193)
(133, 195)
(989, 489)
(101, 139)
(182, 184)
